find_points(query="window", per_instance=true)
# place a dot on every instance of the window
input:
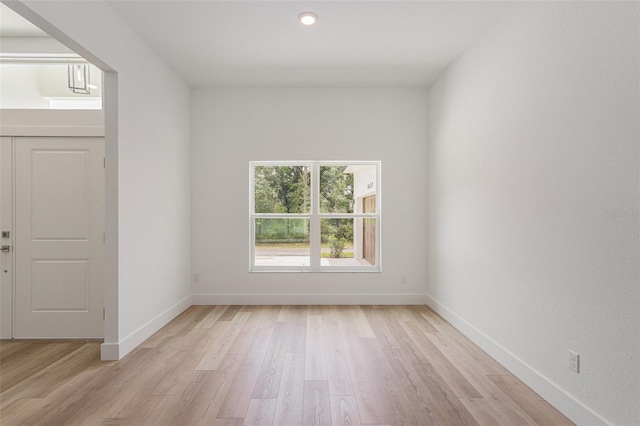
(315, 216)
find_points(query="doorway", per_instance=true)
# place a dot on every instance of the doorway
(56, 252)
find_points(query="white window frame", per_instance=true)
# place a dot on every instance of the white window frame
(315, 217)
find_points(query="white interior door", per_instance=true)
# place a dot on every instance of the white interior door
(59, 231)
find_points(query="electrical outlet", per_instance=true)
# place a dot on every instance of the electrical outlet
(574, 361)
(196, 277)
(403, 278)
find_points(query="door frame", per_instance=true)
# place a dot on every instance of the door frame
(6, 224)
(19, 123)
(110, 349)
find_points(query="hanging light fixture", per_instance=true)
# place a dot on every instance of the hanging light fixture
(79, 79)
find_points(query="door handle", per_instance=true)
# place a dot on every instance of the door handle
(6, 249)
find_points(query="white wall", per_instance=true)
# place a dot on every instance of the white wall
(148, 169)
(533, 143)
(232, 127)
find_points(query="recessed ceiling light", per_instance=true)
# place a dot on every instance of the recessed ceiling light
(308, 18)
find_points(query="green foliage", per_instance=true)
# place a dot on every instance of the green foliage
(336, 190)
(285, 230)
(337, 246)
(336, 233)
(287, 189)
(282, 189)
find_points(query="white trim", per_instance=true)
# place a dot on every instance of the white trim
(54, 131)
(310, 299)
(252, 209)
(550, 391)
(110, 352)
(43, 122)
(315, 229)
(6, 223)
(117, 351)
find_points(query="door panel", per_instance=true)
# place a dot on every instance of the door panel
(60, 285)
(369, 230)
(59, 248)
(60, 193)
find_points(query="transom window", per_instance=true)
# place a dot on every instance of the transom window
(315, 216)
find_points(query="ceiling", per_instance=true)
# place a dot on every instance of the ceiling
(14, 25)
(353, 44)
(239, 43)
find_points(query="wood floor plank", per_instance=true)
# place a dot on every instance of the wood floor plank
(158, 372)
(401, 401)
(84, 361)
(530, 402)
(296, 324)
(213, 315)
(369, 383)
(415, 313)
(239, 394)
(20, 411)
(486, 415)
(260, 412)
(232, 365)
(492, 395)
(180, 369)
(317, 407)
(445, 368)
(102, 397)
(354, 319)
(15, 370)
(426, 405)
(344, 411)
(262, 316)
(195, 404)
(230, 313)
(9, 347)
(387, 329)
(315, 362)
(267, 385)
(227, 374)
(228, 422)
(454, 410)
(242, 343)
(186, 320)
(289, 404)
(212, 359)
(153, 410)
(448, 338)
(153, 341)
(336, 356)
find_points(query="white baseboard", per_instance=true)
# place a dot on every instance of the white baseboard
(310, 299)
(556, 396)
(110, 352)
(117, 351)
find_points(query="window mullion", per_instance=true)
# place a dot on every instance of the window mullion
(316, 247)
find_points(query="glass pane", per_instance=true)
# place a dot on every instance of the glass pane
(336, 190)
(282, 242)
(348, 242)
(282, 189)
(46, 86)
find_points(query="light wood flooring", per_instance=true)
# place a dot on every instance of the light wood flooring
(281, 365)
